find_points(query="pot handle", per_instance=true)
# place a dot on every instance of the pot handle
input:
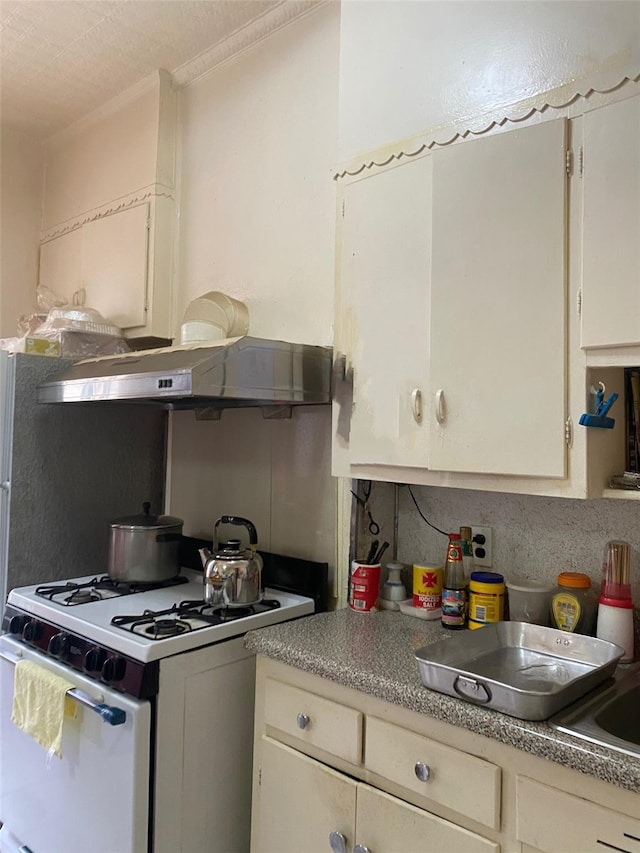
(243, 522)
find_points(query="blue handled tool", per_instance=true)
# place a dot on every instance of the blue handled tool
(598, 418)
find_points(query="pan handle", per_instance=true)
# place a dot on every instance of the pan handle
(474, 691)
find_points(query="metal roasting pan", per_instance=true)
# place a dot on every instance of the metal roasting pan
(526, 671)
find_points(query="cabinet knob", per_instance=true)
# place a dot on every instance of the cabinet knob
(416, 403)
(337, 842)
(5, 485)
(441, 412)
(302, 721)
(360, 848)
(422, 771)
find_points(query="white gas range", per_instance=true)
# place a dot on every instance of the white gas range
(165, 763)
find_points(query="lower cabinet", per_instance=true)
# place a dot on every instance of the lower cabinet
(340, 771)
(307, 806)
(571, 823)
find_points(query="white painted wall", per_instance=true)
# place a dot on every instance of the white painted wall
(536, 537)
(406, 67)
(257, 221)
(257, 200)
(21, 172)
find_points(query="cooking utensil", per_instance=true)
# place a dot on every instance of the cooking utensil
(145, 548)
(232, 576)
(527, 671)
(372, 552)
(378, 556)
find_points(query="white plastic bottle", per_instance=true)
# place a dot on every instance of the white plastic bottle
(615, 623)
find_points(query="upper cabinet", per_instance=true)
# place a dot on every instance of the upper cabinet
(497, 319)
(451, 310)
(109, 211)
(384, 296)
(611, 229)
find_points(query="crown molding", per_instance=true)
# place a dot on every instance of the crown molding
(243, 39)
(133, 199)
(571, 99)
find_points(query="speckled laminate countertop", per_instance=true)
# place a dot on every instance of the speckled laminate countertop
(374, 653)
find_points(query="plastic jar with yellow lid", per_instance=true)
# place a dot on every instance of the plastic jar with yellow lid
(574, 604)
(486, 599)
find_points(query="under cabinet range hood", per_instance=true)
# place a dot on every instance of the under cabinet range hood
(233, 372)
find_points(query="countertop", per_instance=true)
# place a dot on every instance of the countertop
(374, 653)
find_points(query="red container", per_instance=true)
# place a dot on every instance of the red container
(364, 586)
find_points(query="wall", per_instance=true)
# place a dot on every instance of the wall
(257, 203)
(257, 219)
(406, 67)
(22, 169)
(111, 154)
(533, 536)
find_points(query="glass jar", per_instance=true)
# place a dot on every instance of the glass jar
(574, 604)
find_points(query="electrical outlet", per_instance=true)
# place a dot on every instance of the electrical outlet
(481, 538)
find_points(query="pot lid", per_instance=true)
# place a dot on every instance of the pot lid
(147, 520)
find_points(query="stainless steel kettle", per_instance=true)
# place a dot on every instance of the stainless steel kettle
(232, 575)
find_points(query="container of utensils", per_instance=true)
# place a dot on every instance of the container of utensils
(615, 607)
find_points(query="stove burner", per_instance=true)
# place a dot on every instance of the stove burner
(83, 596)
(186, 616)
(99, 588)
(167, 628)
(228, 614)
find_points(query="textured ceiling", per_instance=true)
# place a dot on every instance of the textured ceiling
(59, 59)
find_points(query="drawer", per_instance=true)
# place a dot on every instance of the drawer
(570, 824)
(313, 720)
(454, 779)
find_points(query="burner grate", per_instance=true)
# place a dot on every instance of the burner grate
(186, 616)
(71, 594)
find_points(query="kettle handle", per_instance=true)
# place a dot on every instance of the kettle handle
(243, 522)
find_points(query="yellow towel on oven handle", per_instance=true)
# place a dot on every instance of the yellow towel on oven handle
(40, 704)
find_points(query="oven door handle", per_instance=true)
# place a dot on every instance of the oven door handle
(109, 713)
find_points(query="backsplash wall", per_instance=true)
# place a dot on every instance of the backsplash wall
(532, 536)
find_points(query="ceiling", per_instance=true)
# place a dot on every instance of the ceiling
(59, 59)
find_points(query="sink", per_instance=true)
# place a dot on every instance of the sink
(608, 716)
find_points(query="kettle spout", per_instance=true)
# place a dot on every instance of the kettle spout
(205, 556)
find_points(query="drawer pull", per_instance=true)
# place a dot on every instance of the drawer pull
(302, 721)
(422, 771)
(337, 842)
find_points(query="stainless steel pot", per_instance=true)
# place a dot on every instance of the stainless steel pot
(145, 548)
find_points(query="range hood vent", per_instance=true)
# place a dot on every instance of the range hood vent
(234, 372)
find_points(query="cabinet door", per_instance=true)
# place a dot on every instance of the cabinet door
(61, 264)
(385, 824)
(301, 803)
(498, 299)
(571, 824)
(114, 266)
(611, 234)
(384, 271)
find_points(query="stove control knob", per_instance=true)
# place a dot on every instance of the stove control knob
(59, 645)
(32, 631)
(94, 660)
(17, 623)
(114, 669)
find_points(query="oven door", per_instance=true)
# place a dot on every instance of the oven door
(96, 797)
